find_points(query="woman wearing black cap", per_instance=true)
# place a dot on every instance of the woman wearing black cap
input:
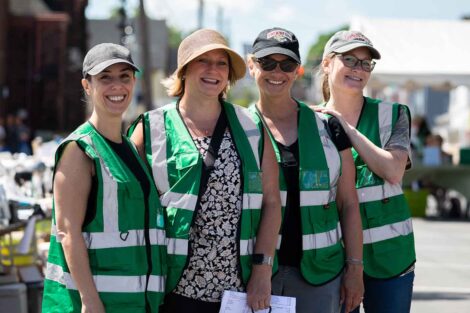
(379, 133)
(217, 181)
(108, 246)
(317, 185)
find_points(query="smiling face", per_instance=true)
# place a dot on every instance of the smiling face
(344, 79)
(208, 74)
(275, 82)
(111, 91)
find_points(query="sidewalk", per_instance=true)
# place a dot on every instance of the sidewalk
(442, 282)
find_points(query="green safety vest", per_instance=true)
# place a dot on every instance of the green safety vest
(177, 166)
(115, 238)
(386, 221)
(319, 171)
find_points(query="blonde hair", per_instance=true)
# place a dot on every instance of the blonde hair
(325, 87)
(174, 84)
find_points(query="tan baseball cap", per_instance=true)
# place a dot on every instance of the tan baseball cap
(347, 40)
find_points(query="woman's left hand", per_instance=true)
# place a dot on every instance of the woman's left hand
(352, 287)
(336, 114)
(259, 287)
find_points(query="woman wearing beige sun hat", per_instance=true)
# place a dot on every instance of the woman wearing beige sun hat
(217, 181)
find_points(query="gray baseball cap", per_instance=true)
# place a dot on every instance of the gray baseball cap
(347, 40)
(106, 54)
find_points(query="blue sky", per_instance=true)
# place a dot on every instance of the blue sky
(244, 19)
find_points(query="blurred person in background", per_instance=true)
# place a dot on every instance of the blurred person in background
(11, 140)
(217, 181)
(419, 131)
(107, 250)
(3, 135)
(380, 135)
(317, 183)
(24, 135)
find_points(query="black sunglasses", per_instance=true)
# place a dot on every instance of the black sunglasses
(267, 64)
(351, 62)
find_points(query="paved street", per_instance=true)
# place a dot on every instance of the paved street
(442, 283)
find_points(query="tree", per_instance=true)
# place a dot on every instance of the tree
(175, 36)
(315, 53)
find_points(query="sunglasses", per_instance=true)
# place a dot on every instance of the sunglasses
(267, 64)
(351, 62)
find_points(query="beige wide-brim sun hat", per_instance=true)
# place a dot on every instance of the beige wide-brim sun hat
(202, 41)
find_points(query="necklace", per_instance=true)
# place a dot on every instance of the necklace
(203, 128)
(195, 130)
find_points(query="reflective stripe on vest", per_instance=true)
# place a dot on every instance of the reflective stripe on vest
(251, 131)
(181, 193)
(385, 122)
(118, 193)
(132, 237)
(158, 156)
(387, 226)
(106, 283)
(322, 240)
(375, 193)
(316, 195)
(388, 231)
(179, 200)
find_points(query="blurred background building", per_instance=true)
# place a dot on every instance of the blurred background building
(42, 43)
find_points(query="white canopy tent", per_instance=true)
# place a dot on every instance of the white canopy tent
(417, 53)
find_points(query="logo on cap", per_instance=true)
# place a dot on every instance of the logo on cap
(357, 37)
(279, 35)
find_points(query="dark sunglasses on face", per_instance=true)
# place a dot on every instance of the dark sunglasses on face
(351, 62)
(267, 64)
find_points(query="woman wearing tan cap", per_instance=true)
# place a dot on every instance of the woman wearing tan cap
(317, 185)
(216, 179)
(379, 133)
(108, 245)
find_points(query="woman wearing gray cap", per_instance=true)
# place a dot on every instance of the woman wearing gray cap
(216, 179)
(379, 133)
(108, 245)
(317, 185)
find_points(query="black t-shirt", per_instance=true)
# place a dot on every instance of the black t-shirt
(124, 151)
(290, 251)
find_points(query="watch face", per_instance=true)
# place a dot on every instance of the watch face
(257, 259)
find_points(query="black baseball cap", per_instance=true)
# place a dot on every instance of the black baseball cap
(276, 40)
(106, 54)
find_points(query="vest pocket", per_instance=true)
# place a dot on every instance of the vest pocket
(311, 179)
(131, 206)
(380, 215)
(113, 260)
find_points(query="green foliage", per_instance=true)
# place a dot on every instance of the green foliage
(175, 36)
(315, 52)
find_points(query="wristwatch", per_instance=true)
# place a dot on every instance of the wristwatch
(259, 258)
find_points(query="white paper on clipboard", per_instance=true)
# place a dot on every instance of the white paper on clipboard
(235, 302)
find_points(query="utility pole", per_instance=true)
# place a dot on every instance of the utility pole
(146, 66)
(200, 15)
(123, 22)
(220, 19)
